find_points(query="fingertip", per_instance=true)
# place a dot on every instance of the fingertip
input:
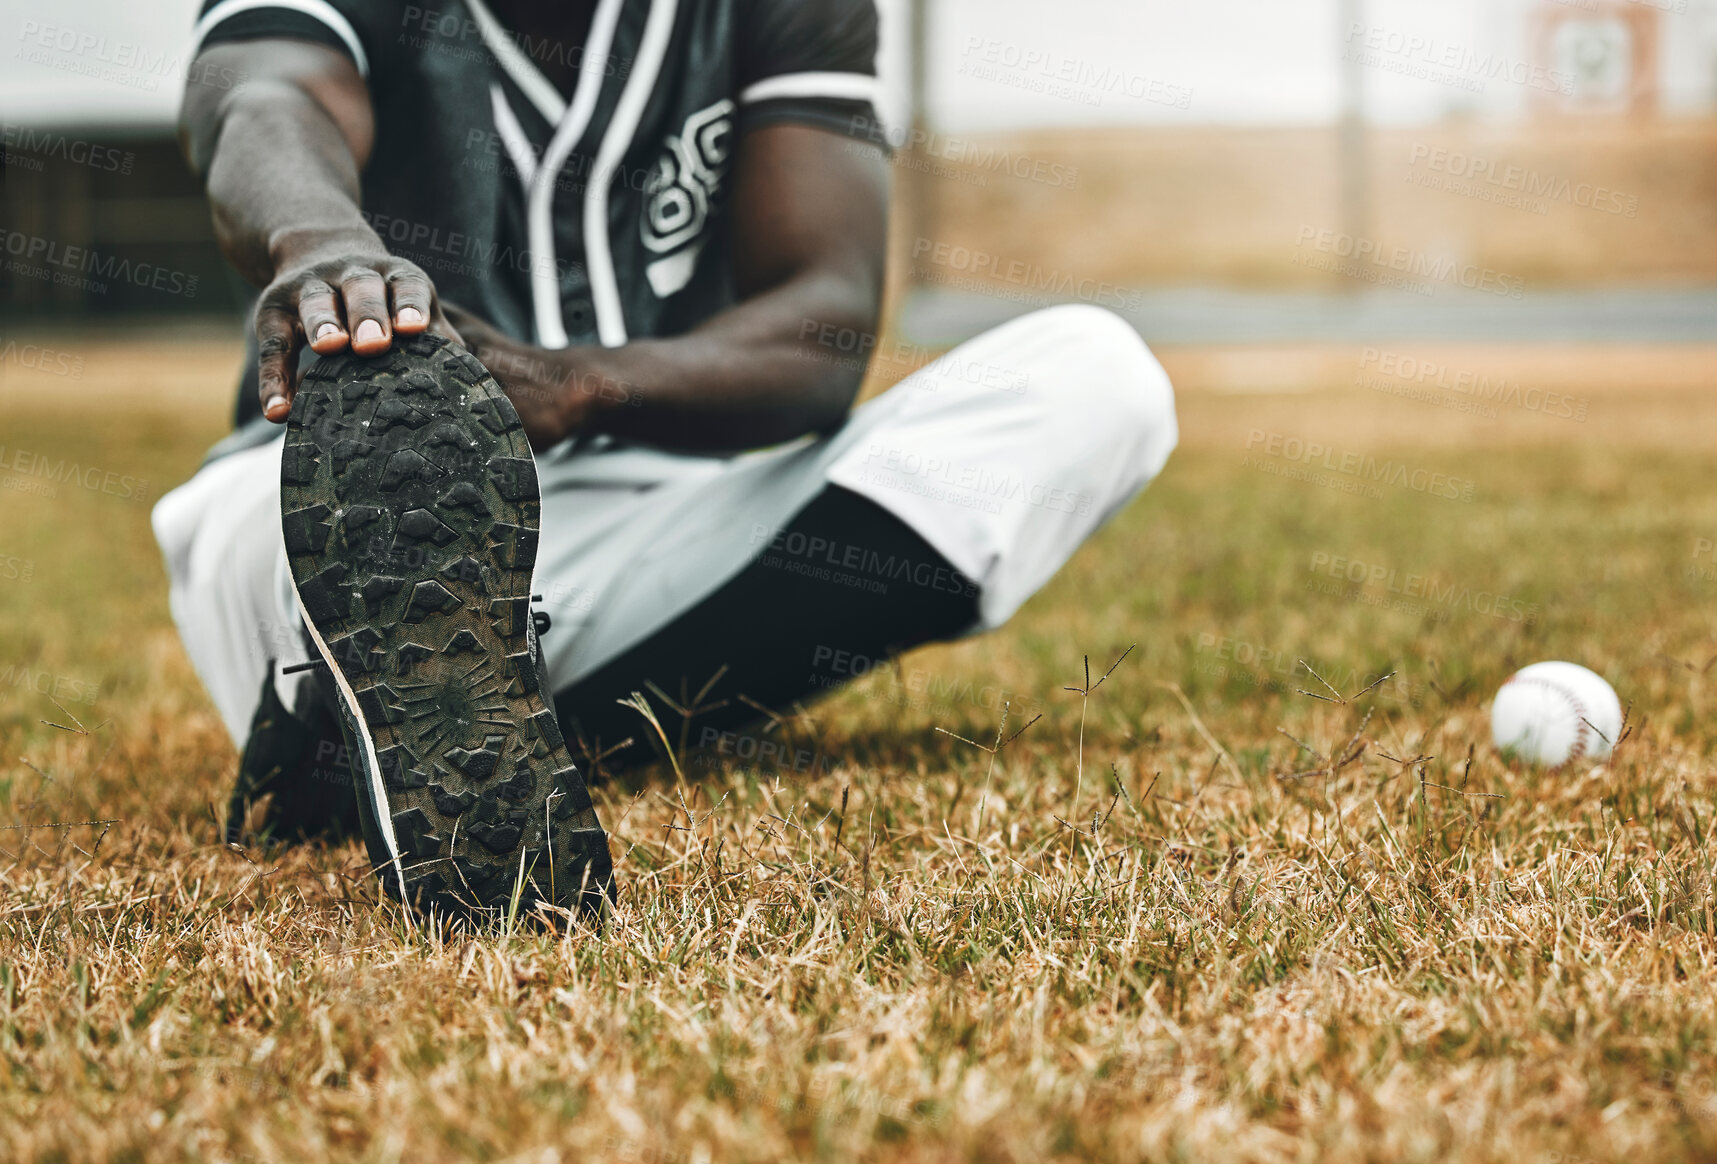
(329, 338)
(410, 319)
(277, 408)
(369, 337)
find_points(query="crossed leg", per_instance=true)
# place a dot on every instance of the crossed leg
(938, 509)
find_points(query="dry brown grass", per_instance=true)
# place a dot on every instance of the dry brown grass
(1136, 938)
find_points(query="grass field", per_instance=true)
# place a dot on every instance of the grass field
(1194, 914)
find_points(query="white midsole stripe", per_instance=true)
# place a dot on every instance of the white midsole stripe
(372, 765)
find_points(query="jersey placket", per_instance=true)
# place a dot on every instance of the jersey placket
(539, 176)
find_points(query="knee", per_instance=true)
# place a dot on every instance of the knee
(1118, 384)
(174, 524)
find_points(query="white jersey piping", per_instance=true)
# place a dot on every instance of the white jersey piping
(598, 251)
(318, 9)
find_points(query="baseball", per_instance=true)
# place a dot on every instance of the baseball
(1556, 713)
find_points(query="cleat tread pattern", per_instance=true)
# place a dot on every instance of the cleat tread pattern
(420, 462)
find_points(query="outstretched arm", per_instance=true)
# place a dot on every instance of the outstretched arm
(810, 212)
(280, 155)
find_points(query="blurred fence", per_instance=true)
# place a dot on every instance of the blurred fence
(1578, 167)
(94, 224)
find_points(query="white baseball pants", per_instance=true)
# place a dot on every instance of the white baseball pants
(1003, 455)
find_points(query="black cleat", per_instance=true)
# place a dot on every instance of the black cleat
(410, 509)
(294, 769)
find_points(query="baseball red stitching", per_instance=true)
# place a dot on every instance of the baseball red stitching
(1584, 721)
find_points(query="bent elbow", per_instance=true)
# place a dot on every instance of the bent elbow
(833, 400)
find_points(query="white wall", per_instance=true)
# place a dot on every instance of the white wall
(994, 63)
(125, 63)
(1131, 61)
(1269, 61)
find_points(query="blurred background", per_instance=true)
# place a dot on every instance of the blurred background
(1282, 195)
(1436, 283)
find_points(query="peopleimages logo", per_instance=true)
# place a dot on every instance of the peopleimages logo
(913, 687)
(1414, 54)
(42, 145)
(716, 743)
(431, 247)
(1398, 587)
(1523, 180)
(975, 270)
(1042, 71)
(1479, 387)
(432, 28)
(68, 264)
(835, 561)
(968, 486)
(1700, 571)
(1363, 466)
(39, 474)
(99, 47)
(49, 360)
(1281, 670)
(848, 347)
(486, 153)
(985, 156)
(19, 677)
(1357, 250)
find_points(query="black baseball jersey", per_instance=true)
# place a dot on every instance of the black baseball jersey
(591, 216)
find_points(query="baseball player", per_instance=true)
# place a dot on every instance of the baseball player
(563, 309)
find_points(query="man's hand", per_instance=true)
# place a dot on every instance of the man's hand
(810, 220)
(331, 293)
(281, 155)
(542, 384)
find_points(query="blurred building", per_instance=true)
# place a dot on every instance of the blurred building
(99, 216)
